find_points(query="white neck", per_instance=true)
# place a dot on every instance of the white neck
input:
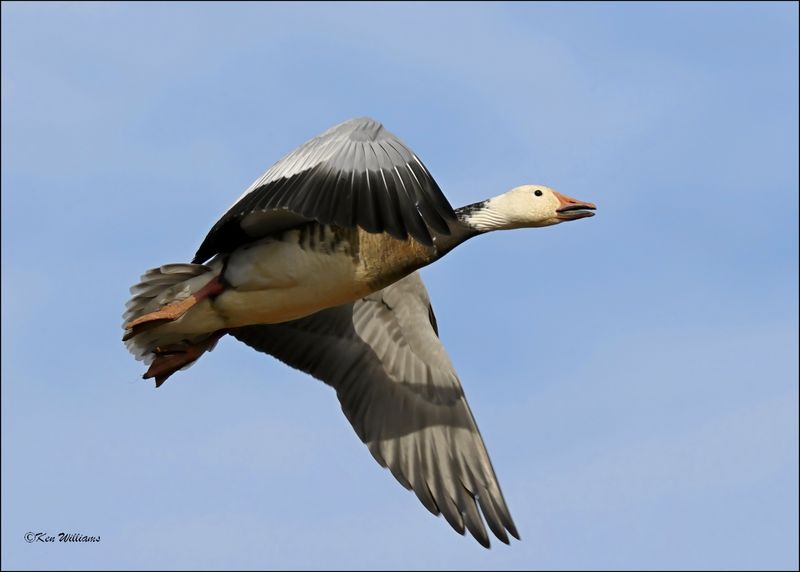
(481, 217)
(498, 213)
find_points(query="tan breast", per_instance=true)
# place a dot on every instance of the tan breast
(381, 259)
(378, 259)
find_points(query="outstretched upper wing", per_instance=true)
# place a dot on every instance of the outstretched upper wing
(354, 174)
(400, 392)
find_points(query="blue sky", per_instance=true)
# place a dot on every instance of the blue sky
(634, 375)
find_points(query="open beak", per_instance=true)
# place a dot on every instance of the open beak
(572, 209)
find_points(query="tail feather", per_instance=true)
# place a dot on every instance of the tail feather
(158, 287)
(154, 288)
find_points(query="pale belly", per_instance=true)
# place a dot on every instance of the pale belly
(274, 281)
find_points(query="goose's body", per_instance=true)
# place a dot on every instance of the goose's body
(300, 271)
(315, 264)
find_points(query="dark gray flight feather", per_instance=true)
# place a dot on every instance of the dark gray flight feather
(400, 392)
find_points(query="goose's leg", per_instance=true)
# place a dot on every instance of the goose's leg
(170, 359)
(174, 310)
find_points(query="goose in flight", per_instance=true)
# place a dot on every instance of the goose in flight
(316, 265)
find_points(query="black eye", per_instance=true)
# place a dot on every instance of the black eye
(538, 193)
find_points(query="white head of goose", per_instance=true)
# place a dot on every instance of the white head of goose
(316, 264)
(526, 206)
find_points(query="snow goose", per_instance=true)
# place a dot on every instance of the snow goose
(316, 265)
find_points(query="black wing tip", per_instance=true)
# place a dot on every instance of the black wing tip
(483, 541)
(477, 529)
(499, 531)
(507, 523)
(453, 521)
